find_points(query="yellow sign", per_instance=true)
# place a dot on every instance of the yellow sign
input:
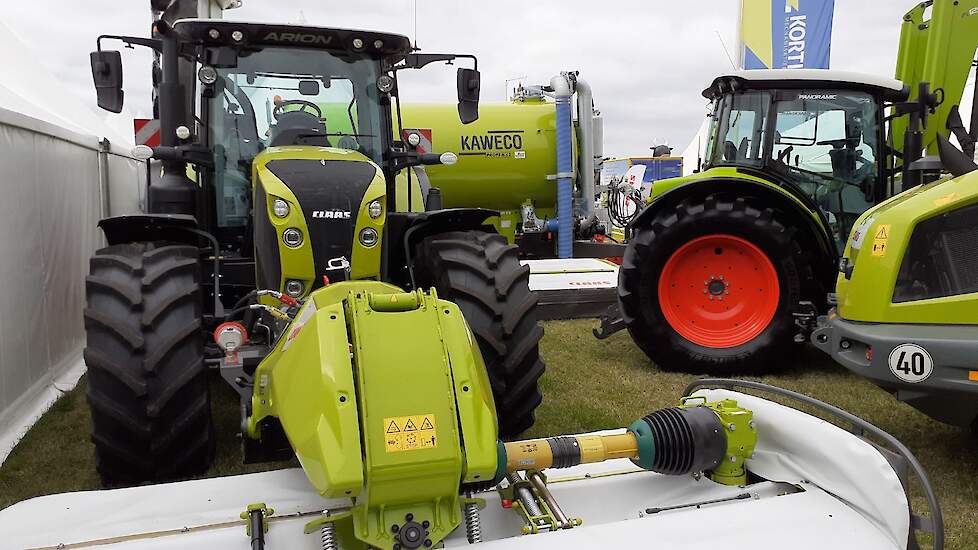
(880, 237)
(410, 433)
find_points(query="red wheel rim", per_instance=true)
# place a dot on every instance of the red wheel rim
(719, 291)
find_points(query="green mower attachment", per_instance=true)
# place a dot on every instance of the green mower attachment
(385, 400)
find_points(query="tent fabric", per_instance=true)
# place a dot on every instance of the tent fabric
(53, 197)
(52, 202)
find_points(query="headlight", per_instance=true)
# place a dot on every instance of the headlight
(385, 83)
(292, 237)
(375, 209)
(294, 288)
(368, 236)
(207, 74)
(280, 208)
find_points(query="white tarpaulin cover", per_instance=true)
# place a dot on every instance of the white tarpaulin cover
(847, 497)
(52, 200)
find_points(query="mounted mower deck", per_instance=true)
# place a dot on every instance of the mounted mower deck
(785, 488)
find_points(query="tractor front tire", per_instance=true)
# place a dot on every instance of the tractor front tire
(147, 382)
(481, 273)
(711, 286)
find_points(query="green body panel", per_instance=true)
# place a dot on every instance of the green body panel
(297, 263)
(361, 355)
(867, 296)
(505, 157)
(417, 194)
(517, 150)
(662, 187)
(741, 439)
(938, 51)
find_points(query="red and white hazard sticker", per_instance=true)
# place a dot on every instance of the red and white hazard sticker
(425, 145)
(146, 131)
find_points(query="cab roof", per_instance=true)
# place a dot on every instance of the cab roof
(380, 44)
(766, 79)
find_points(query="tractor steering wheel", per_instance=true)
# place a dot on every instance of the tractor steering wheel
(302, 103)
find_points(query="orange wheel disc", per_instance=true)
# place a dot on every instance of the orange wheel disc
(719, 291)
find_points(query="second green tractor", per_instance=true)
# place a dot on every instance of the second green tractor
(730, 266)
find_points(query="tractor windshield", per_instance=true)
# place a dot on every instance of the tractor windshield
(826, 143)
(279, 96)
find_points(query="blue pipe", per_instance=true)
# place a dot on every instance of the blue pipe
(565, 171)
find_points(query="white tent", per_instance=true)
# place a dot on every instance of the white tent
(695, 152)
(59, 175)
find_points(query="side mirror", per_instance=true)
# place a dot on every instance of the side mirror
(468, 95)
(107, 74)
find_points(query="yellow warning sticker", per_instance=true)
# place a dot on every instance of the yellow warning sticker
(880, 238)
(410, 433)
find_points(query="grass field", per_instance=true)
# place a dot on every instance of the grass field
(589, 384)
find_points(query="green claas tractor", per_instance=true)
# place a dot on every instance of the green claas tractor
(272, 197)
(728, 267)
(907, 295)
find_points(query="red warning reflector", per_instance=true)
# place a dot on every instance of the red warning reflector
(146, 131)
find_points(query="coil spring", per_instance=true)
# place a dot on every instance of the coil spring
(327, 537)
(473, 523)
(525, 495)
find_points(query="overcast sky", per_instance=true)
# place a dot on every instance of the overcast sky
(646, 60)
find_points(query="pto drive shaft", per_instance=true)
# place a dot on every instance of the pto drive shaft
(714, 437)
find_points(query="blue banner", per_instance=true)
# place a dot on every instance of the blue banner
(786, 34)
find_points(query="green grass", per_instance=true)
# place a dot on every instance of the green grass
(589, 384)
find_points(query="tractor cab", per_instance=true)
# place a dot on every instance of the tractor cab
(264, 88)
(288, 130)
(819, 133)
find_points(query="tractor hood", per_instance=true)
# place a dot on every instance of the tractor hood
(326, 192)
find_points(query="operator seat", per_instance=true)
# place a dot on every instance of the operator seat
(299, 128)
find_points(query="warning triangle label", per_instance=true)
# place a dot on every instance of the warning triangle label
(882, 232)
(426, 425)
(409, 426)
(392, 428)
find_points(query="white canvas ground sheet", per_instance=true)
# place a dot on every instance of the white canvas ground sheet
(51, 204)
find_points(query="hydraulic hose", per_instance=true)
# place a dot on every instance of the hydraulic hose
(565, 167)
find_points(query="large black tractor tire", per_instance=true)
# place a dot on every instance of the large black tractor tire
(147, 383)
(726, 262)
(482, 274)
